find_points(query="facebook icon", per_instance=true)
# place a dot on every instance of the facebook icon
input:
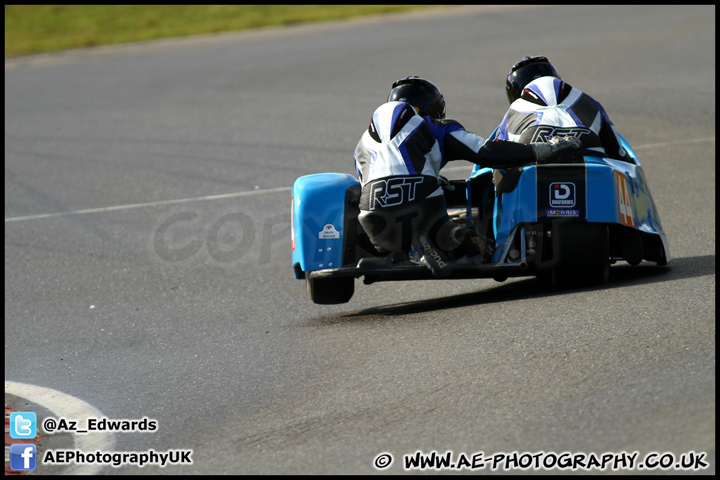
(23, 456)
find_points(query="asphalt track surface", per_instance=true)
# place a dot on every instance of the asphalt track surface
(147, 249)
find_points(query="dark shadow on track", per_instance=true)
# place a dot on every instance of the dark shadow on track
(621, 276)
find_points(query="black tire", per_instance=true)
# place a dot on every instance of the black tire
(581, 253)
(330, 291)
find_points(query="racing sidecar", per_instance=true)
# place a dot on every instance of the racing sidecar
(564, 222)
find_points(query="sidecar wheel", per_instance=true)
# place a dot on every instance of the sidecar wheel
(330, 291)
(582, 254)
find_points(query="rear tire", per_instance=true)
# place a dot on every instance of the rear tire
(330, 291)
(581, 253)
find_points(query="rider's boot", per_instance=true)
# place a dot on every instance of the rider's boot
(425, 252)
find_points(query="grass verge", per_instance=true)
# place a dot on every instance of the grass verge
(44, 28)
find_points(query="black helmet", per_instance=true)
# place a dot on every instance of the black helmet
(524, 72)
(419, 93)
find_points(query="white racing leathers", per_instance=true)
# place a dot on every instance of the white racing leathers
(549, 107)
(398, 160)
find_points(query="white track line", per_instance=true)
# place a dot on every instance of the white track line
(268, 190)
(678, 142)
(150, 204)
(67, 406)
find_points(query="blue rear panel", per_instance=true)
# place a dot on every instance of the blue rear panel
(600, 191)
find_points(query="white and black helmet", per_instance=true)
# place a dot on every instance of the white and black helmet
(524, 72)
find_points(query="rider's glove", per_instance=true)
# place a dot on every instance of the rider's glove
(445, 183)
(555, 145)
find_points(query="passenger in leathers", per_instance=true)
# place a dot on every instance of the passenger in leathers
(543, 106)
(398, 160)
